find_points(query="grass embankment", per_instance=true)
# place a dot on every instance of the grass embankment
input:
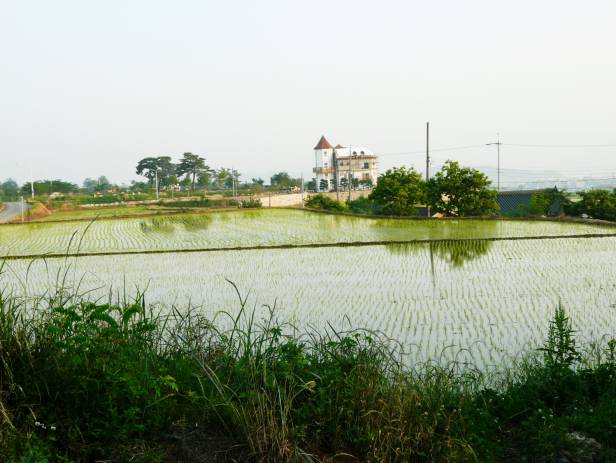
(87, 382)
(114, 212)
(141, 210)
(36, 211)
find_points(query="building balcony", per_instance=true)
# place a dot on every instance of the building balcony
(323, 170)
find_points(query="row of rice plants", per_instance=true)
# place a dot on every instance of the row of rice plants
(258, 228)
(481, 310)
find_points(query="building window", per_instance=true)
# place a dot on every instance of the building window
(366, 165)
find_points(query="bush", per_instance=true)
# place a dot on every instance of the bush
(102, 199)
(194, 203)
(321, 201)
(205, 202)
(251, 203)
(363, 205)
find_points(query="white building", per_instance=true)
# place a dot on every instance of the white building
(343, 163)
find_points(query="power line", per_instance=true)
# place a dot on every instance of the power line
(523, 145)
(423, 152)
(519, 145)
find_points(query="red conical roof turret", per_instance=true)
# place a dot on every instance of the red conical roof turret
(323, 144)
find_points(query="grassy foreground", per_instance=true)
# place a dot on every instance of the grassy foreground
(97, 382)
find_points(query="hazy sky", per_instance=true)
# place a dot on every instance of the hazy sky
(88, 88)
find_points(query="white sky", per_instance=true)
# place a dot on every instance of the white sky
(88, 88)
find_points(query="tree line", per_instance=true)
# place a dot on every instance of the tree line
(192, 171)
(458, 191)
(400, 191)
(453, 191)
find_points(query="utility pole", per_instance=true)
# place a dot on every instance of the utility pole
(156, 175)
(31, 183)
(335, 159)
(498, 145)
(428, 161)
(22, 208)
(349, 172)
(302, 189)
(427, 151)
(233, 183)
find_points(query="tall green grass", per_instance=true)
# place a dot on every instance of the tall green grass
(95, 381)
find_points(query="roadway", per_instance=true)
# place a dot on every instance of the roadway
(11, 211)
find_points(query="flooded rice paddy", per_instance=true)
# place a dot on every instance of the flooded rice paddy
(477, 301)
(256, 228)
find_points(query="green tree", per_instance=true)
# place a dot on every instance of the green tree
(192, 165)
(185, 182)
(324, 185)
(89, 184)
(284, 180)
(224, 177)
(205, 179)
(548, 203)
(232, 176)
(45, 187)
(103, 183)
(599, 204)
(9, 190)
(99, 184)
(461, 191)
(398, 191)
(138, 186)
(311, 185)
(220, 177)
(148, 167)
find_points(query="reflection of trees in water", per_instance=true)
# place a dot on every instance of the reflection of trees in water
(455, 253)
(168, 225)
(446, 229)
(156, 226)
(406, 249)
(195, 222)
